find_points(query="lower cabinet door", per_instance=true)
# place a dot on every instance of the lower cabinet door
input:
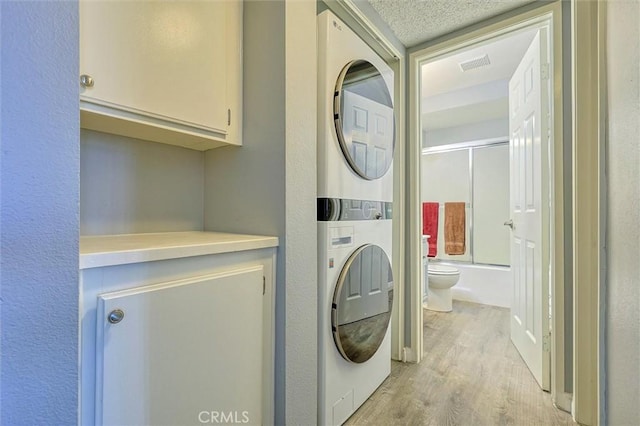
(185, 352)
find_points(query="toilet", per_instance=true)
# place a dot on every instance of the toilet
(441, 279)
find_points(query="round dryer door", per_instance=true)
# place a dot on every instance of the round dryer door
(362, 303)
(363, 115)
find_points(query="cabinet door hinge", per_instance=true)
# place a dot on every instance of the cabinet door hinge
(264, 285)
(229, 117)
(546, 343)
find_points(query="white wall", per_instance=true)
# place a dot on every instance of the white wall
(490, 129)
(128, 186)
(268, 186)
(623, 236)
(40, 152)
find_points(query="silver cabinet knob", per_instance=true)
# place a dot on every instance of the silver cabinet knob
(115, 316)
(509, 223)
(86, 80)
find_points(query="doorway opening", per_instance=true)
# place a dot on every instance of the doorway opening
(482, 150)
(470, 139)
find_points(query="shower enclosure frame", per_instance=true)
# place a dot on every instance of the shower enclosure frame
(470, 147)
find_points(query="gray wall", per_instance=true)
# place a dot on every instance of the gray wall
(301, 212)
(129, 186)
(39, 212)
(268, 186)
(244, 187)
(622, 210)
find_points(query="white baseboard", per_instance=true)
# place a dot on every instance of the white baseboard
(409, 355)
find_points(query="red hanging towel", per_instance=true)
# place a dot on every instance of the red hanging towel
(430, 213)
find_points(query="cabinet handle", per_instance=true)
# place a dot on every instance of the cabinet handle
(86, 80)
(115, 316)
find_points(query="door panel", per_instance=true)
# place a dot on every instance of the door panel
(369, 124)
(181, 348)
(142, 55)
(367, 278)
(529, 124)
(362, 302)
(516, 308)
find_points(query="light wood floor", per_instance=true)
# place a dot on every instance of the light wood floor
(471, 375)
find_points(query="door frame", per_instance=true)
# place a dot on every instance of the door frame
(587, 122)
(551, 15)
(589, 97)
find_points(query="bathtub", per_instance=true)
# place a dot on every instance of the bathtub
(486, 284)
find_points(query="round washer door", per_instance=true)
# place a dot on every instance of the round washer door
(363, 116)
(362, 303)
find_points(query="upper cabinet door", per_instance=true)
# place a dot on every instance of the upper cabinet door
(165, 64)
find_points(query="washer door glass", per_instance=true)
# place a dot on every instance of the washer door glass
(362, 303)
(363, 115)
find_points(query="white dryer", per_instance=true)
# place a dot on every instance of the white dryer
(355, 299)
(356, 126)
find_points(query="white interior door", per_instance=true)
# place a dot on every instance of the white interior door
(529, 129)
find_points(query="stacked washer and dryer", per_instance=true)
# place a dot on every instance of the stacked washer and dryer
(356, 138)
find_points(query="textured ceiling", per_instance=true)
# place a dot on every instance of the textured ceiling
(415, 21)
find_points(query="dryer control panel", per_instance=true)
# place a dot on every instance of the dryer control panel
(338, 209)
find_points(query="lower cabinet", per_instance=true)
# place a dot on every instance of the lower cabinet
(179, 342)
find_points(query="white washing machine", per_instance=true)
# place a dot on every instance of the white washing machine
(356, 126)
(355, 299)
(356, 138)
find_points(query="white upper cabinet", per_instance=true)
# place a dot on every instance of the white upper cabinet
(166, 71)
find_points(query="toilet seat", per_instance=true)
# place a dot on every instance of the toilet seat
(442, 270)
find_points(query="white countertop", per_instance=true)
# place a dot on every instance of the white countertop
(108, 250)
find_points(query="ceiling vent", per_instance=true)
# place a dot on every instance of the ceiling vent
(472, 64)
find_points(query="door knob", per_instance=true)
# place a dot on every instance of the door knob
(86, 80)
(509, 223)
(115, 316)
